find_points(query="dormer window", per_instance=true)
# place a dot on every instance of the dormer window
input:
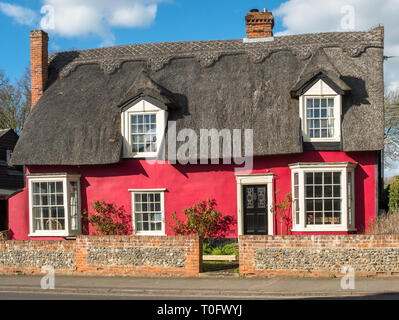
(320, 112)
(144, 114)
(143, 127)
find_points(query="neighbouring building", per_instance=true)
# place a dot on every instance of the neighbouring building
(12, 178)
(314, 103)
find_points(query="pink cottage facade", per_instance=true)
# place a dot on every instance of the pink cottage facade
(296, 114)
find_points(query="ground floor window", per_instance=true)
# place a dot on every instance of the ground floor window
(148, 211)
(323, 196)
(54, 204)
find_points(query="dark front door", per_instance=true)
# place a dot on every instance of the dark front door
(3, 215)
(255, 209)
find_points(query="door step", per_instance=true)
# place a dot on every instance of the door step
(219, 274)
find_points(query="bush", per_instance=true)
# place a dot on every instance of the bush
(230, 249)
(394, 195)
(202, 219)
(107, 219)
(206, 249)
(387, 223)
(227, 250)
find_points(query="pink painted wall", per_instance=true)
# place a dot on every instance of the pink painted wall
(187, 184)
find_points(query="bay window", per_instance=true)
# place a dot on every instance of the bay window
(323, 196)
(54, 205)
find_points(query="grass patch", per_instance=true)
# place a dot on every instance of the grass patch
(208, 266)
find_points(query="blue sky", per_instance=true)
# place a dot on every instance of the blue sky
(83, 24)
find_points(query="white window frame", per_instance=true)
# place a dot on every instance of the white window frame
(65, 179)
(254, 179)
(344, 168)
(322, 91)
(143, 107)
(148, 233)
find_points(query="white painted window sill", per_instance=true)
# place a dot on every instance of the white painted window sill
(321, 140)
(48, 234)
(149, 234)
(318, 229)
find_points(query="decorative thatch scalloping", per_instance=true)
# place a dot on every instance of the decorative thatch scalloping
(157, 55)
(217, 84)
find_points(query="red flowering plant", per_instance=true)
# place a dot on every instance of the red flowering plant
(202, 219)
(107, 219)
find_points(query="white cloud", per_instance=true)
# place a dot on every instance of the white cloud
(75, 18)
(20, 14)
(135, 16)
(306, 16)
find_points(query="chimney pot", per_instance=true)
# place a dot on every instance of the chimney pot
(39, 63)
(259, 24)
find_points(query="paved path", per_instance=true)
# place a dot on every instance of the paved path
(202, 287)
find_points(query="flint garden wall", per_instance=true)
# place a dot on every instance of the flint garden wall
(318, 255)
(105, 255)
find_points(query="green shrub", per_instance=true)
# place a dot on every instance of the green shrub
(227, 250)
(206, 249)
(202, 219)
(394, 195)
(230, 249)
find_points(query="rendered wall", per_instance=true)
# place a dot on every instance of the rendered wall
(187, 184)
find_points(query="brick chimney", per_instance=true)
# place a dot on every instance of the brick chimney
(39, 63)
(259, 24)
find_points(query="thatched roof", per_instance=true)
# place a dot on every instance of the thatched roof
(208, 84)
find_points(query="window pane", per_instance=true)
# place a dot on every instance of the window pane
(149, 204)
(43, 187)
(318, 190)
(60, 199)
(328, 205)
(337, 191)
(44, 200)
(51, 187)
(328, 218)
(59, 187)
(337, 205)
(318, 218)
(309, 192)
(36, 200)
(309, 205)
(36, 187)
(322, 198)
(327, 177)
(318, 178)
(309, 178)
(337, 177)
(318, 205)
(60, 212)
(327, 191)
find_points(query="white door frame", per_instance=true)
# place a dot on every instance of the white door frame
(254, 179)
